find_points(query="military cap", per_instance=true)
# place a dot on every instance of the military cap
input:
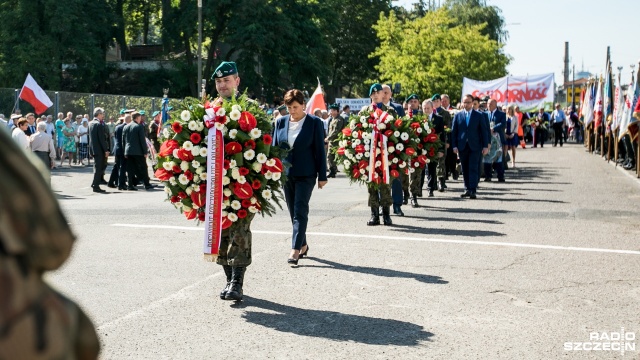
(412, 97)
(122, 111)
(226, 68)
(155, 113)
(435, 97)
(142, 112)
(334, 106)
(375, 88)
(15, 116)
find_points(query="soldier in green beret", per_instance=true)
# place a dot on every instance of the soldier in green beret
(441, 171)
(336, 124)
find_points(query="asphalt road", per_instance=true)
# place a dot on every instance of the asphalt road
(546, 259)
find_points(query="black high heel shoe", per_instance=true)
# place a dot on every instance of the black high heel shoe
(292, 261)
(305, 253)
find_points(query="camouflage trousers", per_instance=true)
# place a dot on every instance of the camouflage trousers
(235, 245)
(441, 170)
(406, 181)
(415, 182)
(380, 196)
(331, 160)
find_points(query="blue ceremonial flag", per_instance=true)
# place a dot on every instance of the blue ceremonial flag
(607, 101)
(165, 110)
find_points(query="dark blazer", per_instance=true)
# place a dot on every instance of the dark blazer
(499, 123)
(28, 131)
(97, 138)
(118, 149)
(438, 125)
(475, 136)
(133, 140)
(397, 107)
(307, 156)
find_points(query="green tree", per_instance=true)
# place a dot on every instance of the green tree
(476, 12)
(428, 55)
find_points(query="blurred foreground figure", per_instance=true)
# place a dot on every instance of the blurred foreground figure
(36, 322)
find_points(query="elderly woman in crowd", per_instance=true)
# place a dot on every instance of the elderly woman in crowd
(69, 143)
(18, 133)
(83, 143)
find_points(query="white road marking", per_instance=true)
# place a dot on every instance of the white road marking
(383, 237)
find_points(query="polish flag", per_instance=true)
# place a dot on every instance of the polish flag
(316, 101)
(34, 95)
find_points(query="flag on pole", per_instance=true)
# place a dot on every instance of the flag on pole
(629, 105)
(587, 106)
(316, 101)
(34, 95)
(618, 106)
(597, 105)
(165, 113)
(606, 95)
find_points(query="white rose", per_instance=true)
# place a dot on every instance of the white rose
(235, 115)
(261, 158)
(184, 166)
(391, 149)
(221, 112)
(236, 205)
(236, 108)
(249, 154)
(185, 115)
(188, 145)
(195, 164)
(233, 133)
(167, 165)
(382, 126)
(232, 217)
(233, 163)
(276, 176)
(195, 151)
(227, 192)
(225, 180)
(200, 170)
(255, 133)
(183, 179)
(399, 147)
(266, 194)
(235, 173)
(189, 191)
(193, 126)
(220, 127)
(203, 151)
(196, 179)
(242, 180)
(257, 167)
(226, 204)
(404, 136)
(172, 181)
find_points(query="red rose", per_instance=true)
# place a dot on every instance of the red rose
(432, 152)
(247, 121)
(189, 175)
(242, 213)
(393, 166)
(175, 199)
(191, 214)
(398, 123)
(176, 169)
(198, 198)
(256, 185)
(420, 146)
(203, 187)
(388, 133)
(432, 138)
(250, 144)
(196, 138)
(232, 148)
(415, 125)
(410, 151)
(227, 164)
(359, 149)
(201, 216)
(359, 125)
(394, 173)
(246, 203)
(177, 128)
(182, 195)
(243, 171)
(185, 155)
(422, 159)
(242, 191)
(163, 175)
(355, 173)
(346, 131)
(267, 139)
(226, 223)
(363, 164)
(340, 151)
(167, 147)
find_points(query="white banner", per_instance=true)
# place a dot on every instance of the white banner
(354, 104)
(529, 92)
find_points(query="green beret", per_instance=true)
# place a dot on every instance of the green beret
(375, 88)
(169, 108)
(155, 113)
(334, 106)
(142, 112)
(411, 97)
(226, 68)
(122, 111)
(282, 108)
(435, 97)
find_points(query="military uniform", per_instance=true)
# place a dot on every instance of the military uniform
(335, 128)
(448, 162)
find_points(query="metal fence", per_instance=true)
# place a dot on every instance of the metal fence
(82, 103)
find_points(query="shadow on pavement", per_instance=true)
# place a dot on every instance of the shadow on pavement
(429, 279)
(468, 210)
(482, 221)
(447, 232)
(333, 325)
(480, 196)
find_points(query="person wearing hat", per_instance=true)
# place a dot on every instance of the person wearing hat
(442, 170)
(413, 101)
(154, 129)
(118, 176)
(227, 80)
(136, 151)
(380, 197)
(336, 124)
(99, 147)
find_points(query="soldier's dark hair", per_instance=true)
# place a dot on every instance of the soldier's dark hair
(293, 95)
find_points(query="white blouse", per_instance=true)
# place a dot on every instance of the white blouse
(294, 130)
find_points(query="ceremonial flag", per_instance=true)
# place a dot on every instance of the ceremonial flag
(587, 106)
(34, 95)
(618, 106)
(316, 101)
(597, 107)
(165, 113)
(630, 104)
(583, 94)
(606, 95)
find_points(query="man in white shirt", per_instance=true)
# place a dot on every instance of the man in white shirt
(18, 134)
(558, 119)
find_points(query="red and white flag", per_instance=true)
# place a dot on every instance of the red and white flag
(316, 101)
(34, 95)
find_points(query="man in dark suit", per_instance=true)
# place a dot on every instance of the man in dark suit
(469, 140)
(499, 120)
(31, 125)
(153, 130)
(135, 151)
(99, 147)
(441, 170)
(119, 172)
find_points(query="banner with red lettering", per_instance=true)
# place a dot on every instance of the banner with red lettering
(529, 92)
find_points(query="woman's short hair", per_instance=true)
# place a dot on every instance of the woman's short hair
(22, 121)
(293, 95)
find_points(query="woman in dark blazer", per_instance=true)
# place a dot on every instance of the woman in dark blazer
(304, 135)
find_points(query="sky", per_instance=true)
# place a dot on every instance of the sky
(538, 30)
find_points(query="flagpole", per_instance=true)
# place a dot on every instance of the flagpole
(617, 131)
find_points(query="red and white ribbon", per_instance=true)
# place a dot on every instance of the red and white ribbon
(213, 210)
(379, 141)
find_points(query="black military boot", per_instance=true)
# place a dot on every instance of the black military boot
(405, 199)
(386, 218)
(441, 185)
(414, 202)
(227, 271)
(375, 216)
(397, 210)
(235, 288)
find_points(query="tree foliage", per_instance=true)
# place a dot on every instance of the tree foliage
(476, 12)
(429, 55)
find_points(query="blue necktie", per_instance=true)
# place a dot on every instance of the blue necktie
(467, 117)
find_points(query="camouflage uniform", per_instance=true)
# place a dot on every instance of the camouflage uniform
(449, 156)
(36, 322)
(235, 245)
(335, 128)
(415, 182)
(381, 196)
